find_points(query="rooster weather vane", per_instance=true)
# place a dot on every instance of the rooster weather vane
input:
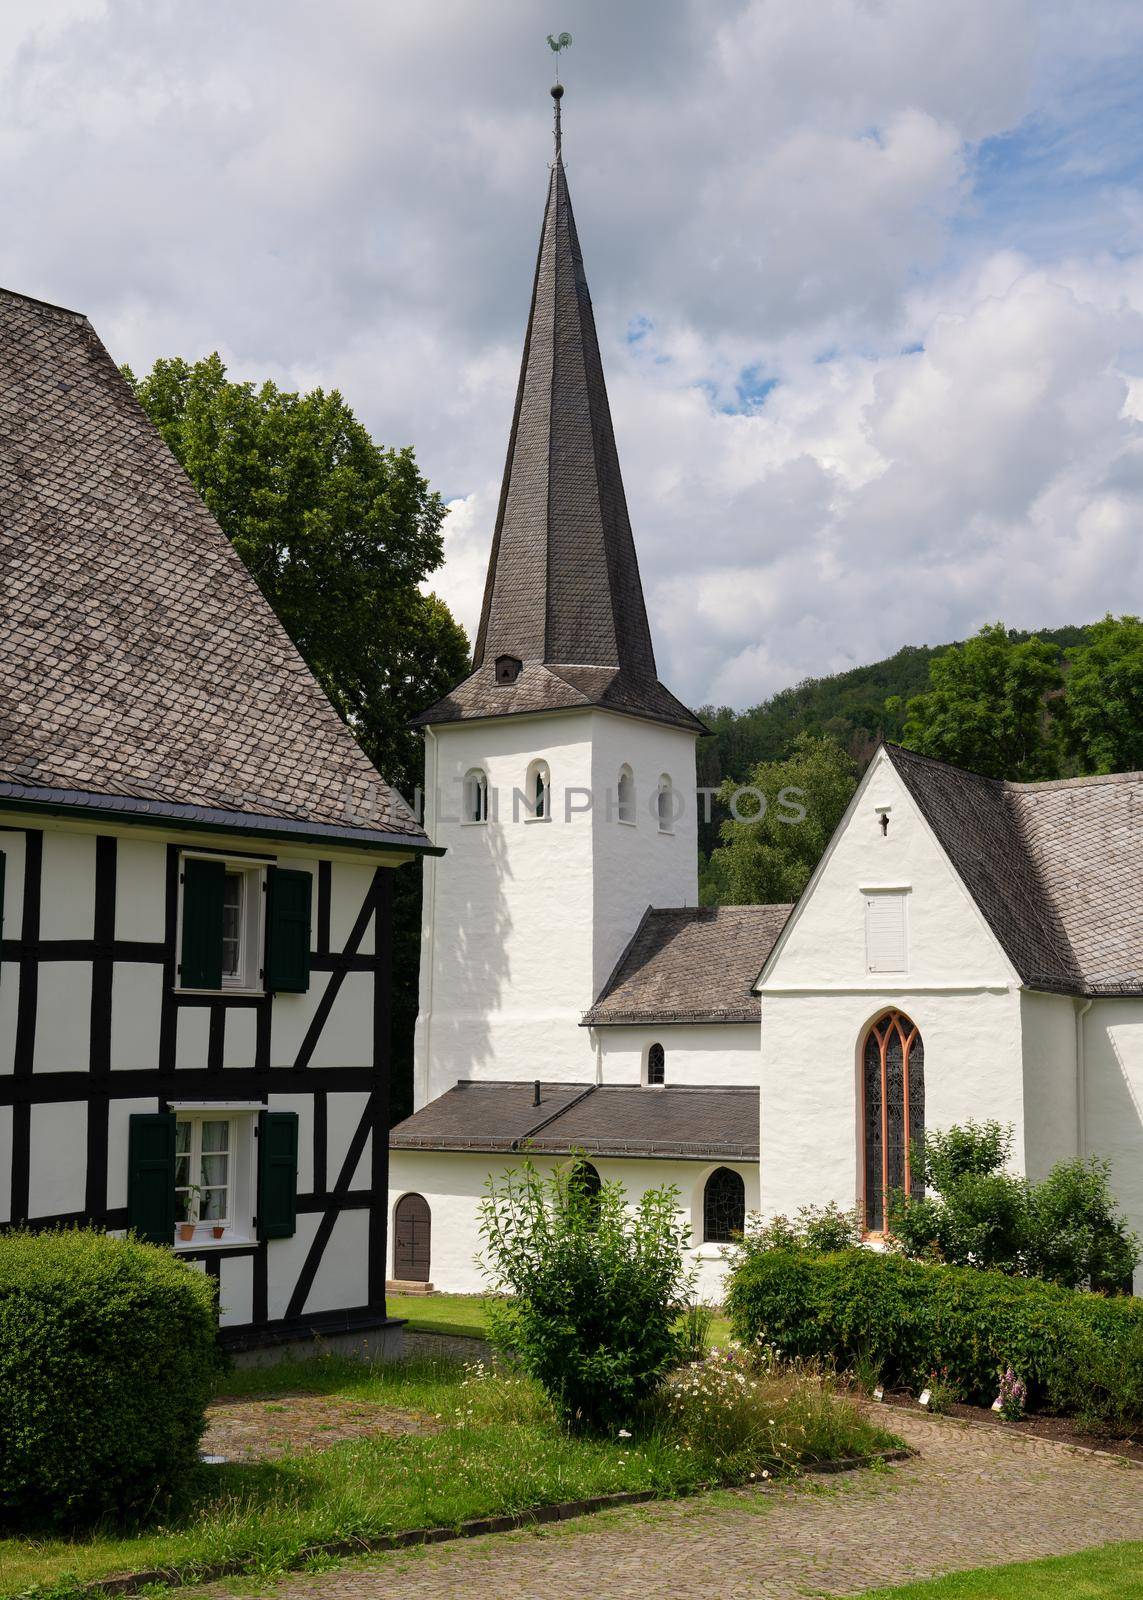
(556, 43)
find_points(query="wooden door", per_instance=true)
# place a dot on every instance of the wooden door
(412, 1227)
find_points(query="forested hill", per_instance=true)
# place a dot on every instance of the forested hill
(850, 705)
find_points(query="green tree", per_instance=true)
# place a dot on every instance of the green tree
(1104, 722)
(767, 857)
(339, 534)
(987, 707)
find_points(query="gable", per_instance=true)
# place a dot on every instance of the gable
(826, 943)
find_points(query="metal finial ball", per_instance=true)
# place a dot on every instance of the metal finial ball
(557, 91)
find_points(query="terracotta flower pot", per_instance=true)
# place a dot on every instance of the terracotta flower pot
(186, 1230)
(218, 1232)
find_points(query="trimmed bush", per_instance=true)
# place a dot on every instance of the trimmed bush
(1080, 1354)
(107, 1355)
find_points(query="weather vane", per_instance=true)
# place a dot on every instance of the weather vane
(556, 43)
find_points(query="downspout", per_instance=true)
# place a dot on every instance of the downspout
(429, 916)
(1081, 1082)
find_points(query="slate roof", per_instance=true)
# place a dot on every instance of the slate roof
(600, 1119)
(139, 663)
(1055, 868)
(563, 593)
(691, 964)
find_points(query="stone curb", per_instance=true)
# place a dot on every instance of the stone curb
(883, 1410)
(129, 1583)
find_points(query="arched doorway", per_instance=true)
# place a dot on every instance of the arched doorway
(412, 1231)
(893, 1090)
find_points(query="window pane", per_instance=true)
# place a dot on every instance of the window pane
(215, 1135)
(212, 1207)
(182, 1171)
(182, 1137)
(182, 1206)
(232, 897)
(215, 1169)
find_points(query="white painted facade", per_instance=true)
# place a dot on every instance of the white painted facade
(230, 1054)
(453, 1183)
(524, 919)
(1066, 1074)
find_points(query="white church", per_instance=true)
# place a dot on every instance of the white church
(966, 949)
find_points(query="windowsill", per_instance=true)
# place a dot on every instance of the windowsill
(666, 833)
(627, 822)
(537, 819)
(209, 1242)
(474, 822)
(221, 994)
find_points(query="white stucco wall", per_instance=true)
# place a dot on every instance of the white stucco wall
(524, 920)
(453, 1183)
(1051, 1089)
(1113, 1121)
(694, 1053)
(818, 1000)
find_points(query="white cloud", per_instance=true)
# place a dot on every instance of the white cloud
(350, 195)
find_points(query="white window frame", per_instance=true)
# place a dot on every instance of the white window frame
(878, 895)
(241, 1177)
(250, 980)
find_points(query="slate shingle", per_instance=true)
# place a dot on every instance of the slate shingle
(138, 658)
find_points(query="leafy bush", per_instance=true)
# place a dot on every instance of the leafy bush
(819, 1228)
(595, 1286)
(1065, 1229)
(107, 1354)
(1079, 1353)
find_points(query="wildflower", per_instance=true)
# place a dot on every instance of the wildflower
(623, 1434)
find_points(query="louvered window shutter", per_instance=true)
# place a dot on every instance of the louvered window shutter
(200, 959)
(151, 1176)
(288, 931)
(277, 1174)
(885, 940)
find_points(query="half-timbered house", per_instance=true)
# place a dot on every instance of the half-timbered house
(196, 869)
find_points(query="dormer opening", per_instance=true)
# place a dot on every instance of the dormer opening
(508, 669)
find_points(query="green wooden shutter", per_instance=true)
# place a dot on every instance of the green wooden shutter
(151, 1176)
(200, 960)
(277, 1174)
(288, 931)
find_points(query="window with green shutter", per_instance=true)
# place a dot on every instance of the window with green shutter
(288, 898)
(151, 1176)
(277, 1174)
(200, 957)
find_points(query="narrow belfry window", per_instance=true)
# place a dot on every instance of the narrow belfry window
(723, 1206)
(656, 1065)
(666, 805)
(893, 1074)
(476, 796)
(626, 791)
(538, 792)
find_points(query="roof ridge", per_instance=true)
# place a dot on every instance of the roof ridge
(1092, 780)
(43, 305)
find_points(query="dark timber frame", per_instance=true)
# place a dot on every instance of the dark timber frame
(101, 1085)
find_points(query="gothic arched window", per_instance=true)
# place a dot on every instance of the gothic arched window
(656, 1065)
(584, 1177)
(723, 1206)
(626, 789)
(893, 1089)
(476, 796)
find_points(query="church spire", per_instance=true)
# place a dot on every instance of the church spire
(563, 595)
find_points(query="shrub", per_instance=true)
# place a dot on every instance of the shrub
(1065, 1229)
(1078, 1353)
(820, 1228)
(595, 1286)
(107, 1354)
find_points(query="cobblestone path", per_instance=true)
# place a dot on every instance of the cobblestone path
(974, 1497)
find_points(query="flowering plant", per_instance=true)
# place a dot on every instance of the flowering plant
(1012, 1397)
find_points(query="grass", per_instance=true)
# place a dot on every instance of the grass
(500, 1451)
(1112, 1572)
(462, 1315)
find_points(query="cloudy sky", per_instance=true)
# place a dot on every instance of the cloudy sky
(868, 274)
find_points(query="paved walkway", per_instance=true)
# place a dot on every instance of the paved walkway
(975, 1497)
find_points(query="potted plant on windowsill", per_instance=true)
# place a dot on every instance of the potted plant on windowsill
(190, 1221)
(218, 1229)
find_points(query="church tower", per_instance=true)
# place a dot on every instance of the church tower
(560, 775)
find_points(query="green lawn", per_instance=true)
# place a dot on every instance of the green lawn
(463, 1315)
(1113, 1572)
(500, 1451)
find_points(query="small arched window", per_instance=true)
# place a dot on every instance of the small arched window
(626, 794)
(723, 1206)
(666, 804)
(538, 792)
(656, 1065)
(584, 1179)
(476, 796)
